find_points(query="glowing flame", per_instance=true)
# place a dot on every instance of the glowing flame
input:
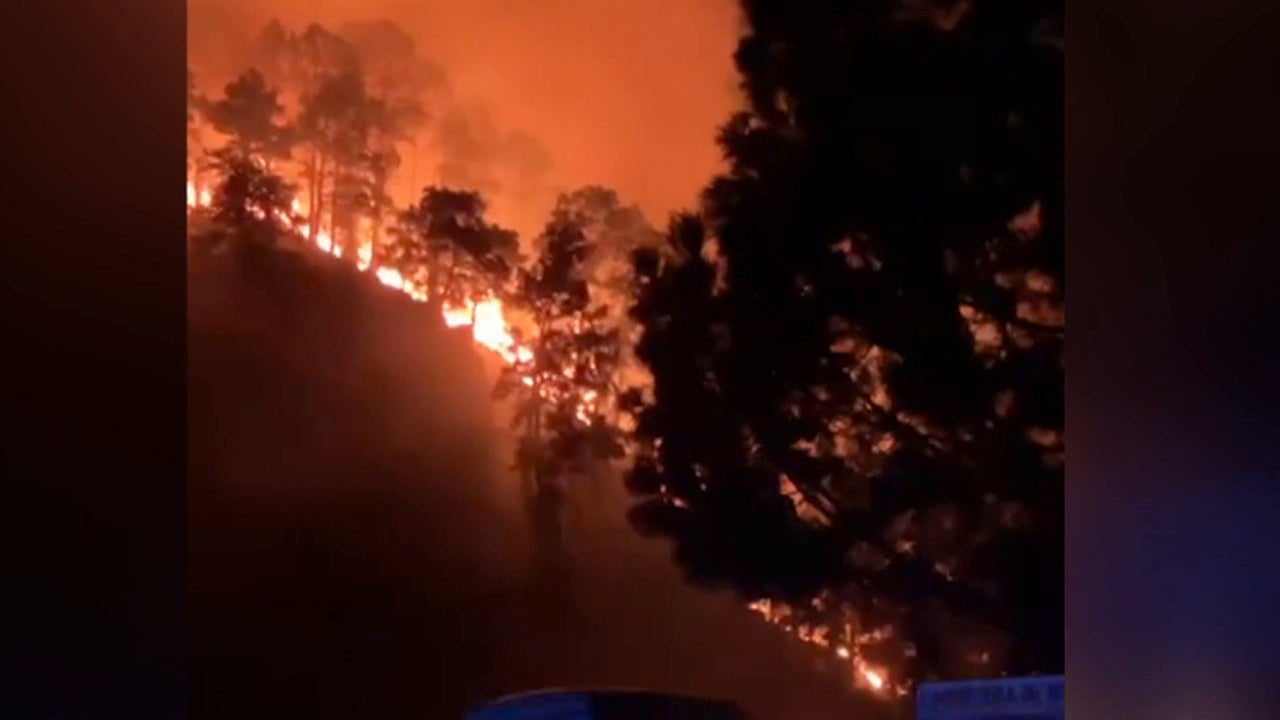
(198, 198)
(390, 277)
(872, 677)
(488, 325)
(364, 256)
(490, 328)
(864, 674)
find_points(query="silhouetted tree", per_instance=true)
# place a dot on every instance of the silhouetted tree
(360, 95)
(562, 387)
(405, 82)
(248, 113)
(445, 243)
(401, 85)
(338, 123)
(321, 74)
(614, 231)
(858, 398)
(250, 203)
(377, 166)
(298, 62)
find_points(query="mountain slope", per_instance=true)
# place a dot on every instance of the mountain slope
(356, 543)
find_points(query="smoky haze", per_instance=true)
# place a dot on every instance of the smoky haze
(357, 545)
(548, 94)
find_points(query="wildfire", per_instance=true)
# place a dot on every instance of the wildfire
(393, 279)
(488, 323)
(201, 197)
(364, 256)
(872, 677)
(863, 673)
(490, 329)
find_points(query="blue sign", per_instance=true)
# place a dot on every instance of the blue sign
(1026, 698)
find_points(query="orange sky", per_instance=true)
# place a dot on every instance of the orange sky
(625, 93)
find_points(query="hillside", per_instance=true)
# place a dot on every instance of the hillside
(357, 547)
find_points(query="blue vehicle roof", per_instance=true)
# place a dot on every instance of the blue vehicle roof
(604, 705)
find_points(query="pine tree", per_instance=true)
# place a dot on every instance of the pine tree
(857, 351)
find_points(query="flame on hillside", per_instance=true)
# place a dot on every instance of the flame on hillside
(491, 329)
(486, 318)
(844, 644)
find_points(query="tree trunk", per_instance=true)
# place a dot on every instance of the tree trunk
(535, 432)
(317, 211)
(448, 281)
(333, 205)
(312, 196)
(375, 235)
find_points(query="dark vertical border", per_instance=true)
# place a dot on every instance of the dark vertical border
(94, 434)
(1173, 502)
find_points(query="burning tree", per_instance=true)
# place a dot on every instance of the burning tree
(356, 100)
(857, 414)
(250, 203)
(571, 383)
(321, 72)
(613, 231)
(563, 383)
(248, 114)
(336, 121)
(349, 101)
(567, 381)
(445, 243)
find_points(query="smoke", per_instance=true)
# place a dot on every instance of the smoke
(511, 168)
(543, 95)
(357, 542)
(357, 546)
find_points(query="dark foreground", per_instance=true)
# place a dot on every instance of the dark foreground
(357, 548)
